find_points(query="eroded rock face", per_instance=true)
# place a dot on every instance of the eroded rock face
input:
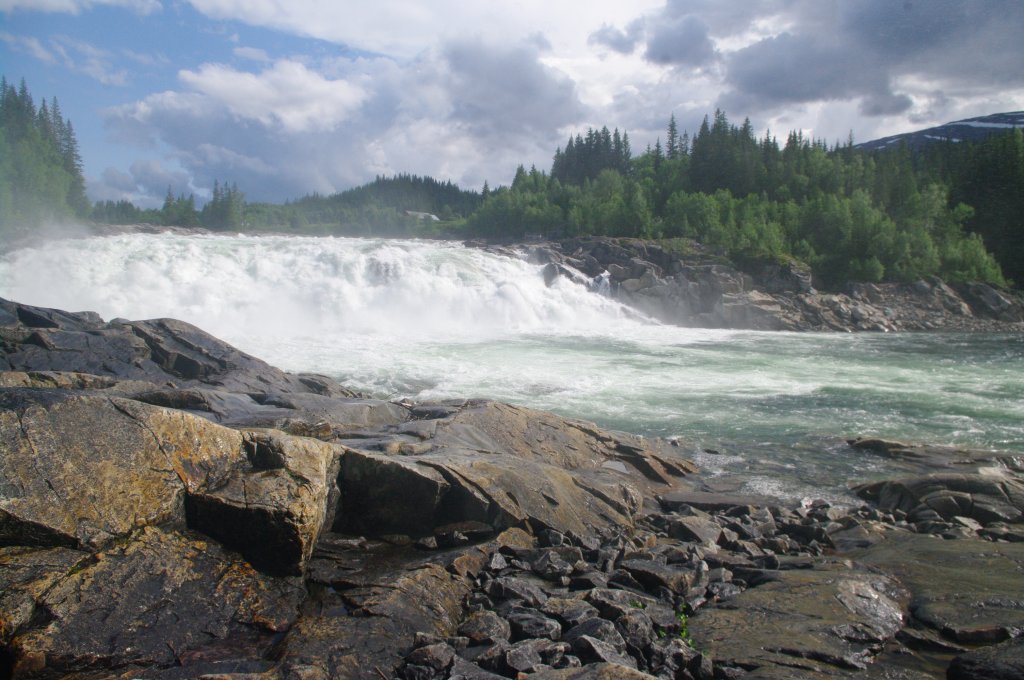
(165, 352)
(502, 466)
(699, 289)
(161, 598)
(995, 496)
(81, 471)
(273, 510)
(143, 538)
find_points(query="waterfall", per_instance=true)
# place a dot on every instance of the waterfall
(243, 286)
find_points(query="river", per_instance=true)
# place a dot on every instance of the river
(434, 320)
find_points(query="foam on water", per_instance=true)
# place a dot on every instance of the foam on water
(429, 320)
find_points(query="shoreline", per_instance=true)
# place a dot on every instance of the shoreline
(224, 518)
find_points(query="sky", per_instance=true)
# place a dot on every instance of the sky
(290, 97)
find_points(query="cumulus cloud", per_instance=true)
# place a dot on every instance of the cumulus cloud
(501, 92)
(468, 91)
(145, 183)
(623, 41)
(683, 41)
(286, 94)
(252, 53)
(291, 128)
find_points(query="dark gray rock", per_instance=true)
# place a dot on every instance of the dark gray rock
(1000, 662)
(569, 612)
(530, 623)
(987, 498)
(163, 598)
(820, 620)
(966, 589)
(485, 628)
(612, 604)
(637, 630)
(596, 629)
(437, 657)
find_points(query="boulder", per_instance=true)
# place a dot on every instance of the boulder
(163, 351)
(372, 626)
(273, 510)
(503, 466)
(81, 471)
(989, 302)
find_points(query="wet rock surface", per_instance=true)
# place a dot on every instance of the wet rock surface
(160, 526)
(699, 289)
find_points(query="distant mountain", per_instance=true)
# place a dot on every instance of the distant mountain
(969, 129)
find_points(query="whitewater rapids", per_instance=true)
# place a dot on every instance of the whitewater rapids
(434, 320)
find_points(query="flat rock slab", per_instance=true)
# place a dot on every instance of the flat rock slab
(712, 502)
(160, 599)
(821, 620)
(1000, 662)
(972, 591)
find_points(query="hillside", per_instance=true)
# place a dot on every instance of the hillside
(967, 130)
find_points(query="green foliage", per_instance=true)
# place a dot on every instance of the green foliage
(684, 629)
(40, 167)
(849, 215)
(225, 210)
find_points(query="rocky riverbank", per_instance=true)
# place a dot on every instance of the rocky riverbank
(171, 507)
(697, 289)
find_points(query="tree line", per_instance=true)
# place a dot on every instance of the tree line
(890, 215)
(850, 215)
(40, 167)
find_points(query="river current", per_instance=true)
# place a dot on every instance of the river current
(429, 320)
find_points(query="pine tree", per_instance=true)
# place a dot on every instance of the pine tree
(672, 147)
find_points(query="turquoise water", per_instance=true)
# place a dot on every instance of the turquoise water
(424, 320)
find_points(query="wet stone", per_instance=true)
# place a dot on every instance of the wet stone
(569, 612)
(437, 656)
(652, 575)
(637, 630)
(999, 662)
(465, 670)
(529, 623)
(592, 650)
(597, 629)
(513, 588)
(612, 604)
(485, 627)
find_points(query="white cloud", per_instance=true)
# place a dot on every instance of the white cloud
(82, 57)
(252, 53)
(288, 94)
(28, 45)
(466, 91)
(77, 6)
(406, 28)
